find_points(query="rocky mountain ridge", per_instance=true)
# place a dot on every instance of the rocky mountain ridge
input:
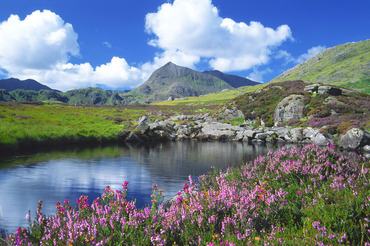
(172, 81)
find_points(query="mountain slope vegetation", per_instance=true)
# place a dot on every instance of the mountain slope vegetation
(346, 65)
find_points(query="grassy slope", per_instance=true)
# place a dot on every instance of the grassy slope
(213, 98)
(342, 64)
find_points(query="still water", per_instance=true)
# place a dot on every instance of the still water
(53, 176)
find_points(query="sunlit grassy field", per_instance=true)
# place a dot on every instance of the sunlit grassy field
(28, 125)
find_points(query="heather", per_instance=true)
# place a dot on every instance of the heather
(335, 114)
(312, 196)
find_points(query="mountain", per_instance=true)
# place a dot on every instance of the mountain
(177, 82)
(169, 81)
(94, 96)
(233, 80)
(347, 65)
(12, 84)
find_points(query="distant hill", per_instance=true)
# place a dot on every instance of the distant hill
(177, 82)
(169, 81)
(233, 80)
(347, 65)
(12, 84)
(173, 81)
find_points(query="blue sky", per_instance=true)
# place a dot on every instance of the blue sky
(119, 43)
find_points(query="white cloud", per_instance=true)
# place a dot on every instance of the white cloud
(39, 41)
(310, 53)
(257, 75)
(195, 28)
(114, 74)
(40, 46)
(186, 31)
(283, 54)
(107, 44)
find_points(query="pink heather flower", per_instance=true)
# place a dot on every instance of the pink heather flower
(331, 146)
(300, 192)
(27, 216)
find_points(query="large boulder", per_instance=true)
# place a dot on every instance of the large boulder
(230, 113)
(354, 139)
(290, 108)
(143, 124)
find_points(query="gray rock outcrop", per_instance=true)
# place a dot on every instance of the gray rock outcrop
(354, 139)
(290, 108)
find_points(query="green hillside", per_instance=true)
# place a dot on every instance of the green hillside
(344, 65)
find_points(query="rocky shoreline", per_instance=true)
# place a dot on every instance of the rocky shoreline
(205, 128)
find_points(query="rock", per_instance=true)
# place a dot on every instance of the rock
(320, 139)
(262, 136)
(354, 139)
(230, 114)
(329, 90)
(143, 124)
(249, 133)
(312, 88)
(290, 108)
(133, 138)
(297, 135)
(310, 133)
(366, 148)
(323, 89)
(220, 131)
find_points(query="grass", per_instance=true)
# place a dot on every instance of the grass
(25, 125)
(213, 98)
(363, 85)
(315, 196)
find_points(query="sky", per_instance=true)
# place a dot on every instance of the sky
(117, 44)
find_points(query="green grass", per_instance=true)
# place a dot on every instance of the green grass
(363, 85)
(28, 125)
(213, 98)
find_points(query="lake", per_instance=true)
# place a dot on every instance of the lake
(55, 175)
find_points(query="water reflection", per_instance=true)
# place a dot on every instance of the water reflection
(55, 176)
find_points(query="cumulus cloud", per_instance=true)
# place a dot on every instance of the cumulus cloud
(185, 31)
(39, 41)
(195, 28)
(40, 47)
